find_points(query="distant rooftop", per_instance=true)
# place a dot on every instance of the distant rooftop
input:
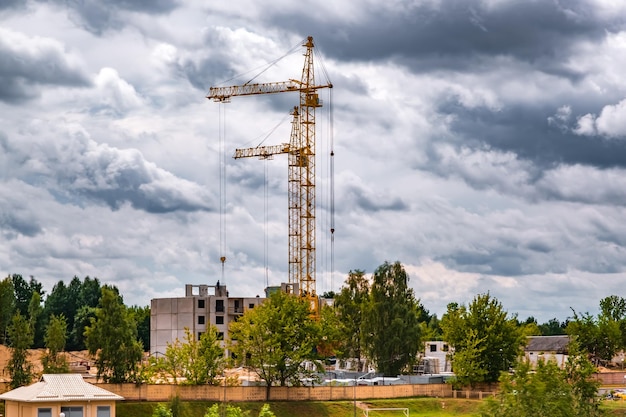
(556, 344)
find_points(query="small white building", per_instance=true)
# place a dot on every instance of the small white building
(60, 393)
(436, 359)
(547, 348)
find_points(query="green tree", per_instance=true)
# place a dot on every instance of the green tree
(530, 327)
(230, 411)
(57, 301)
(76, 339)
(171, 364)
(391, 327)
(141, 315)
(89, 292)
(602, 336)
(547, 391)
(350, 304)
(35, 319)
(24, 292)
(611, 325)
(331, 332)
(233, 411)
(21, 339)
(580, 375)
(468, 362)
(431, 328)
(112, 337)
(203, 358)
(275, 339)
(485, 340)
(266, 412)
(552, 327)
(7, 307)
(584, 328)
(161, 410)
(56, 335)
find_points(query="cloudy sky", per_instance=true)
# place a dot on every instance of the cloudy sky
(480, 143)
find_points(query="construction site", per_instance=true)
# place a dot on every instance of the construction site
(206, 305)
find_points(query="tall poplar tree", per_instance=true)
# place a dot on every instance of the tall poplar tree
(56, 336)
(7, 307)
(21, 339)
(391, 327)
(349, 305)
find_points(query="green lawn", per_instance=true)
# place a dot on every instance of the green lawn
(421, 407)
(418, 407)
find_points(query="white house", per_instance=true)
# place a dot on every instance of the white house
(60, 393)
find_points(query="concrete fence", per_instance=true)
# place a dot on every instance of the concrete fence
(133, 392)
(144, 392)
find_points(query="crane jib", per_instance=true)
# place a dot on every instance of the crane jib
(224, 93)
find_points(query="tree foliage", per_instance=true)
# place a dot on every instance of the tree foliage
(162, 410)
(602, 336)
(141, 315)
(35, 312)
(485, 340)
(349, 304)
(7, 307)
(195, 362)
(21, 339)
(547, 391)
(56, 336)
(391, 327)
(331, 332)
(24, 292)
(552, 327)
(276, 339)
(76, 302)
(233, 411)
(112, 337)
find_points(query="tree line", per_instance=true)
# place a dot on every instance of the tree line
(83, 315)
(76, 302)
(377, 318)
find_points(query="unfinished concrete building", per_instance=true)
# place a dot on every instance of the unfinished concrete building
(202, 306)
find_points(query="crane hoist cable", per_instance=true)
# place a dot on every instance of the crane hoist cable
(222, 176)
(332, 189)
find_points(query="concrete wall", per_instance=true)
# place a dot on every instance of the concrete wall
(133, 392)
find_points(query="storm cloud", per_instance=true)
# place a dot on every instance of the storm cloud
(480, 143)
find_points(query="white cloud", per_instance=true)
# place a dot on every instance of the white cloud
(610, 123)
(29, 62)
(586, 125)
(444, 159)
(116, 93)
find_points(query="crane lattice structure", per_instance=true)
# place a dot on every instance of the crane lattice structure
(301, 168)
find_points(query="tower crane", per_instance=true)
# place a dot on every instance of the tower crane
(301, 162)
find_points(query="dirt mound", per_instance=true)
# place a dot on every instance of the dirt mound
(80, 362)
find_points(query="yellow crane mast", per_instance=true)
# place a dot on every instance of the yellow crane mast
(301, 161)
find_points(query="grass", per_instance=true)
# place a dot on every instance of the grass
(418, 407)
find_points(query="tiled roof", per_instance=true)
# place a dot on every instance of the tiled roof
(59, 387)
(557, 344)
